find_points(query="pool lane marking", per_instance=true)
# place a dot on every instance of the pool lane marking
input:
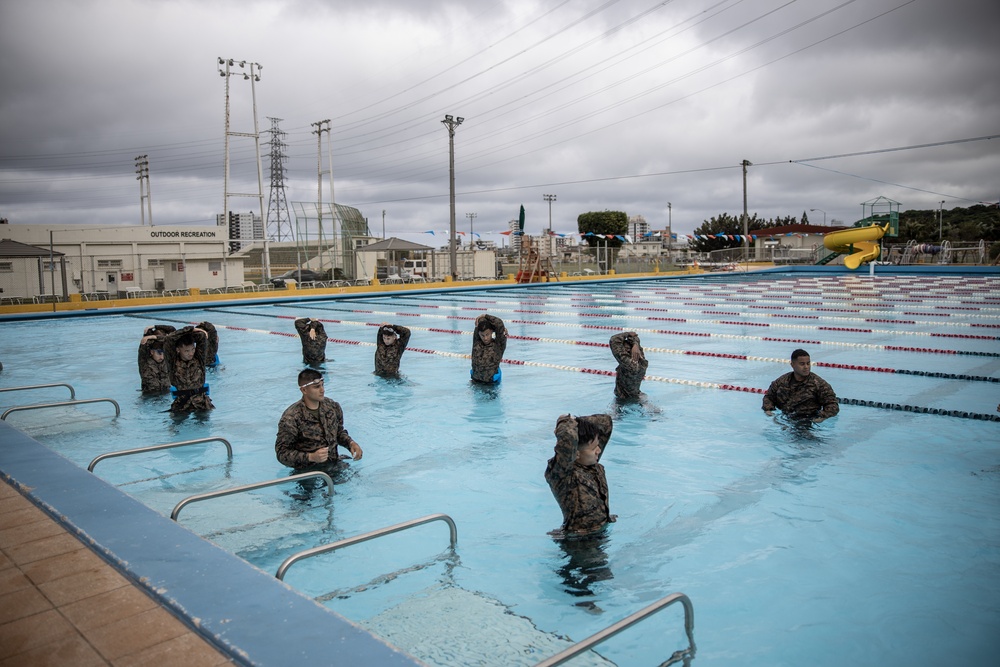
(895, 348)
(767, 315)
(661, 350)
(613, 303)
(650, 378)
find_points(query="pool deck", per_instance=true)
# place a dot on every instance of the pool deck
(61, 604)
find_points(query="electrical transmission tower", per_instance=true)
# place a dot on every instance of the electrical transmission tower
(279, 225)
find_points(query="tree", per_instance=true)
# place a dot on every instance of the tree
(601, 224)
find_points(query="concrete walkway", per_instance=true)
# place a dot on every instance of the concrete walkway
(61, 604)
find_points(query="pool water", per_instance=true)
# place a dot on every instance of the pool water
(870, 539)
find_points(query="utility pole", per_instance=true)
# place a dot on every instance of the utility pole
(472, 218)
(383, 224)
(451, 123)
(322, 126)
(142, 168)
(940, 220)
(746, 240)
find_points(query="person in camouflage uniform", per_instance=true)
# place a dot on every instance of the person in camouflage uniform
(389, 348)
(212, 344)
(576, 476)
(801, 394)
(313, 337)
(310, 429)
(185, 351)
(488, 345)
(632, 364)
(152, 368)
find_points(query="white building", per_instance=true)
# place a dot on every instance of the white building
(112, 261)
(244, 228)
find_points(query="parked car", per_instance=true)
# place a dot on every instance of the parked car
(300, 276)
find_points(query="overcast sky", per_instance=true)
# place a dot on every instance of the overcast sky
(643, 106)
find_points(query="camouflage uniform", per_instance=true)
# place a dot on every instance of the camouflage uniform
(581, 491)
(629, 374)
(212, 345)
(802, 399)
(486, 358)
(301, 430)
(387, 357)
(313, 350)
(154, 376)
(187, 377)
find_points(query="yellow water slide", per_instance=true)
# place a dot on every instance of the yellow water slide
(860, 244)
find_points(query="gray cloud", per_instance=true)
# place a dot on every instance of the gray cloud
(628, 106)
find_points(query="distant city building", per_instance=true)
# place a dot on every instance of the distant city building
(244, 229)
(637, 227)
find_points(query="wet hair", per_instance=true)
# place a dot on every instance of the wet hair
(799, 353)
(484, 325)
(585, 430)
(156, 344)
(186, 339)
(308, 375)
(387, 331)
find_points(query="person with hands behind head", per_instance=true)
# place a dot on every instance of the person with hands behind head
(632, 364)
(389, 348)
(313, 336)
(311, 429)
(489, 341)
(186, 352)
(153, 371)
(801, 395)
(576, 476)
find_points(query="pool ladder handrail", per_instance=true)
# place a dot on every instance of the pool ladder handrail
(72, 391)
(364, 537)
(686, 654)
(153, 448)
(250, 487)
(36, 406)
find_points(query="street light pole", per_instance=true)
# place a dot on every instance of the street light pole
(941, 220)
(472, 234)
(548, 241)
(812, 210)
(451, 123)
(383, 224)
(746, 241)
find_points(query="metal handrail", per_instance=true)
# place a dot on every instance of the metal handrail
(364, 537)
(607, 633)
(72, 392)
(118, 410)
(153, 448)
(250, 487)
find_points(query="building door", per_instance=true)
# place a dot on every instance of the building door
(112, 284)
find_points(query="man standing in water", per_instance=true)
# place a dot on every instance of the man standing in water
(310, 429)
(186, 351)
(389, 348)
(488, 345)
(632, 364)
(801, 394)
(576, 476)
(313, 337)
(153, 371)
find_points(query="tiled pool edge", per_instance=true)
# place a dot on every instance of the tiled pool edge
(246, 613)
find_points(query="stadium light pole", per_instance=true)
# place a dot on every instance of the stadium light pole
(451, 123)
(746, 241)
(472, 218)
(940, 220)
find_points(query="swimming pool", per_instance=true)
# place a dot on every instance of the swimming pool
(870, 539)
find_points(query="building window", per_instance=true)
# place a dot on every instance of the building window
(150, 263)
(109, 264)
(6, 267)
(49, 266)
(215, 266)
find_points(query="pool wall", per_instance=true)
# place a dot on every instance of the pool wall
(245, 612)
